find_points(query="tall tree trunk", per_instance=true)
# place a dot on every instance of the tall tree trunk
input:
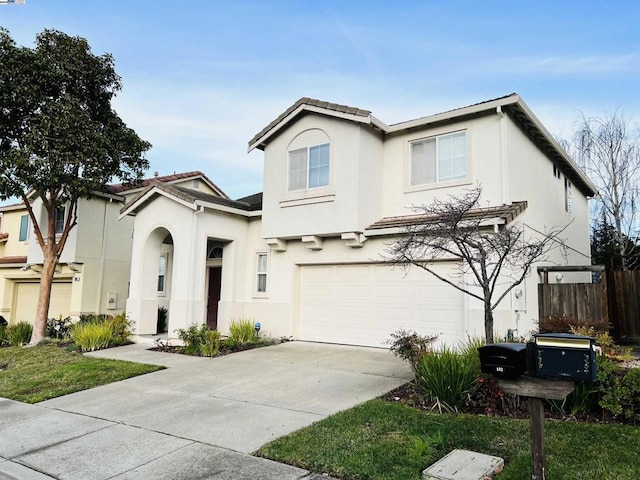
(488, 322)
(44, 299)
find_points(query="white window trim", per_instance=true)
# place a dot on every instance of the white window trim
(163, 293)
(568, 196)
(257, 272)
(314, 190)
(433, 186)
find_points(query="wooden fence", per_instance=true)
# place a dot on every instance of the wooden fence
(616, 300)
(624, 303)
(584, 301)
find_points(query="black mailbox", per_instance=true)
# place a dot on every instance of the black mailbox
(565, 356)
(504, 360)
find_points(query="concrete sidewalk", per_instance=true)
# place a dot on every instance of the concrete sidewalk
(200, 418)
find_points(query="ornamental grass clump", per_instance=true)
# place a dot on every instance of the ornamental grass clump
(447, 377)
(19, 333)
(241, 331)
(211, 345)
(92, 336)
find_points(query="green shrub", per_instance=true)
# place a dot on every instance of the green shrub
(161, 325)
(19, 333)
(448, 377)
(120, 327)
(409, 345)
(211, 346)
(59, 328)
(583, 399)
(4, 340)
(619, 390)
(242, 331)
(193, 337)
(565, 324)
(92, 335)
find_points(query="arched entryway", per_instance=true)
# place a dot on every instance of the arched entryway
(155, 283)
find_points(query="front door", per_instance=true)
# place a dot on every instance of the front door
(213, 296)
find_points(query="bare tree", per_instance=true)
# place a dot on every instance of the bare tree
(608, 149)
(494, 257)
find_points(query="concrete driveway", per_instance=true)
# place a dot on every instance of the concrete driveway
(197, 419)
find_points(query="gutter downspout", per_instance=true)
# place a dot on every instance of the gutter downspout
(504, 165)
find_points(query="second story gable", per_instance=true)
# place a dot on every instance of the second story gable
(332, 169)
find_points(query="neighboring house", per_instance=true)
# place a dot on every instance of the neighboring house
(94, 269)
(305, 259)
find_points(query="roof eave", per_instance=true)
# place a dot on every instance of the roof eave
(260, 142)
(583, 182)
(454, 114)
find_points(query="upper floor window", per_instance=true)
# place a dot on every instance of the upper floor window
(60, 211)
(24, 228)
(439, 159)
(309, 167)
(568, 197)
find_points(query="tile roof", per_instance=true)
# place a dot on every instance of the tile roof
(193, 195)
(506, 212)
(123, 187)
(312, 102)
(14, 259)
(455, 109)
(254, 200)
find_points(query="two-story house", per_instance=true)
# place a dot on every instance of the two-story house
(94, 269)
(306, 258)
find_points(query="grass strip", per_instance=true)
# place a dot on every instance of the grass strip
(383, 440)
(39, 373)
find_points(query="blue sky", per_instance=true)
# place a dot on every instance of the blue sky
(202, 77)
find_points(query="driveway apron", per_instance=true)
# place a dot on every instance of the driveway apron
(199, 418)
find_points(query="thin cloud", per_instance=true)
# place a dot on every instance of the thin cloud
(566, 65)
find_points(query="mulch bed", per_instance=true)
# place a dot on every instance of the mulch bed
(224, 349)
(489, 401)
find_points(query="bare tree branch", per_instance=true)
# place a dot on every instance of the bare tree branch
(494, 257)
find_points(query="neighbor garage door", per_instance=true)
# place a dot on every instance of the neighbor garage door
(27, 300)
(363, 304)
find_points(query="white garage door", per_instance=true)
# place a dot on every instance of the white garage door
(27, 300)
(363, 304)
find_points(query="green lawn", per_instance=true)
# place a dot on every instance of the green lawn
(382, 440)
(39, 373)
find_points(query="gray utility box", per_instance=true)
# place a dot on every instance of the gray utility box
(565, 356)
(504, 360)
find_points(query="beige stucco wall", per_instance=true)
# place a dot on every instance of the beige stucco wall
(96, 258)
(483, 157)
(11, 225)
(501, 160)
(369, 181)
(349, 203)
(187, 285)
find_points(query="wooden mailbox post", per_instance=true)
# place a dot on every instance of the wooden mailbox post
(536, 390)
